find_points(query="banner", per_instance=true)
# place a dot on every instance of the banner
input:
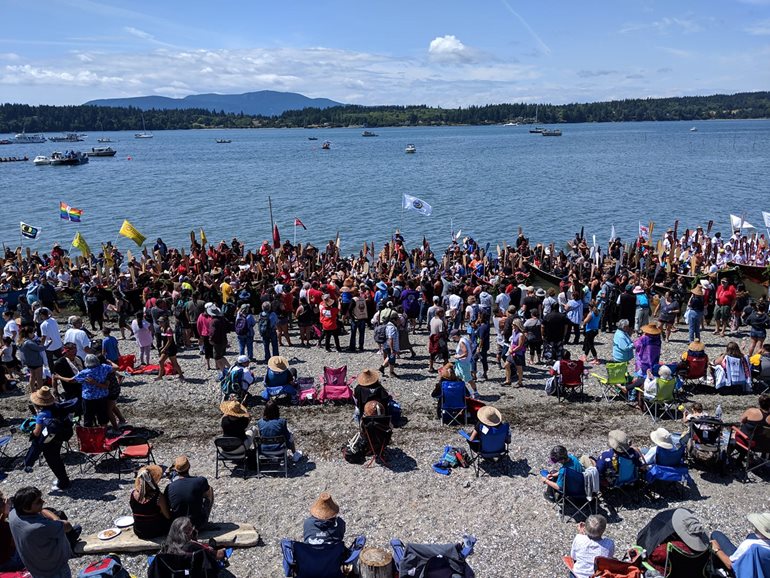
(644, 231)
(737, 223)
(416, 204)
(80, 244)
(28, 231)
(69, 213)
(612, 234)
(276, 237)
(766, 217)
(128, 230)
(298, 223)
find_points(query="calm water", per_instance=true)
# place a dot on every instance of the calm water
(487, 180)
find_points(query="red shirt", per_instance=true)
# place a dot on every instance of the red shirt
(314, 296)
(725, 296)
(328, 316)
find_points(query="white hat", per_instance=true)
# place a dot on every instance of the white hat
(661, 437)
(761, 522)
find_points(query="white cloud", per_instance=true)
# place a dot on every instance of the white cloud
(665, 25)
(138, 33)
(10, 56)
(760, 28)
(450, 49)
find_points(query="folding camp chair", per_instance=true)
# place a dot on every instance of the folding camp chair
(695, 371)
(755, 449)
(627, 479)
(670, 468)
(272, 455)
(229, 450)
(570, 378)
(93, 445)
(433, 560)
(664, 404)
(378, 433)
(7, 457)
(617, 375)
(610, 567)
(302, 560)
(133, 447)
(574, 495)
(490, 445)
(682, 565)
(453, 407)
(335, 385)
(199, 564)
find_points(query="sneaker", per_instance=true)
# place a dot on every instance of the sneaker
(297, 456)
(55, 485)
(27, 469)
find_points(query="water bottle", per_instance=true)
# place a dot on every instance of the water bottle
(718, 413)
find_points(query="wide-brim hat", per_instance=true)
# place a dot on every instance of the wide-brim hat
(324, 508)
(618, 441)
(540, 292)
(638, 290)
(661, 437)
(214, 311)
(650, 329)
(233, 408)
(381, 286)
(690, 529)
(696, 346)
(698, 290)
(278, 363)
(704, 283)
(761, 522)
(489, 416)
(368, 377)
(42, 397)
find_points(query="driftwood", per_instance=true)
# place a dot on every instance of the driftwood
(375, 563)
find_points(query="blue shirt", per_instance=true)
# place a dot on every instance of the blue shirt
(98, 374)
(110, 348)
(572, 463)
(622, 346)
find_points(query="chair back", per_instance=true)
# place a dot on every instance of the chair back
(92, 440)
(612, 567)
(494, 441)
(571, 372)
(617, 373)
(665, 390)
(628, 473)
(453, 395)
(670, 458)
(273, 447)
(131, 440)
(706, 431)
(227, 446)
(318, 560)
(335, 375)
(682, 565)
(378, 431)
(760, 440)
(696, 367)
(574, 483)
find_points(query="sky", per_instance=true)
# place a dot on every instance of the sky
(450, 53)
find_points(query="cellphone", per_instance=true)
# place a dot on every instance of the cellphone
(228, 552)
(544, 473)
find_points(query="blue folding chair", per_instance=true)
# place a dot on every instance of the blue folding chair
(302, 560)
(453, 406)
(574, 495)
(627, 477)
(433, 560)
(669, 468)
(490, 445)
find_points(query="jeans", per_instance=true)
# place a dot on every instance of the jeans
(422, 316)
(357, 327)
(246, 346)
(694, 323)
(268, 339)
(724, 543)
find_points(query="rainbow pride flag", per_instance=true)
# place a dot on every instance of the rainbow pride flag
(69, 213)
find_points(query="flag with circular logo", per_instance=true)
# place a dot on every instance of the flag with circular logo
(415, 204)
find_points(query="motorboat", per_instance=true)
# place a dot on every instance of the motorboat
(368, 133)
(223, 141)
(554, 132)
(694, 129)
(68, 137)
(41, 160)
(101, 152)
(104, 139)
(511, 124)
(410, 148)
(5, 141)
(69, 158)
(326, 145)
(24, 138)
(536, 130)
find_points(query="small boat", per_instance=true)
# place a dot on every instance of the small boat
(326, 145)
(13, 159)
(536, 130)
(511, 124)
(223, 141)
(555, 132)
(68, 137)
(543, 279)
(41, 160)
(5, 141)
(694, 129)
(312, 138)
(410, 148)
(24, 138)
(367, 133)
(101, 152)
(144, 133)
(69, 158)
(104, 139)
(756, 279)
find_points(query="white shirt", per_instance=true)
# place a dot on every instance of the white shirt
(79, 338)
(11, 329)
(391, 331)
(50, 329)
(584, 550)
(503, 300)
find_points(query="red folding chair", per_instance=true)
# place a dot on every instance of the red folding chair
(93, 445)
(335, 385)
(570, 378)
(697, 369)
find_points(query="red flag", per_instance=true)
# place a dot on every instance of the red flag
(276, 237)
(298, 223)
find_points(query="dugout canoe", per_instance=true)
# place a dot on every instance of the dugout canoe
(756, 279)
(539, 278)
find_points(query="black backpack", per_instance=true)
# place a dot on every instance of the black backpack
(380, 334)
(263, 324)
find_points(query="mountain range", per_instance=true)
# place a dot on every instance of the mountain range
(263, 102)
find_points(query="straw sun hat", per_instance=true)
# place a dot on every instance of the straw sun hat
(278, 363)
(42, 397)
(489, 416)
(324, 508)
(368, 377)
(233, 408)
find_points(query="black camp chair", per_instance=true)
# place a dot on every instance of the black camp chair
(378, 433)
(302, 560)
(433, 560)
(200, 564)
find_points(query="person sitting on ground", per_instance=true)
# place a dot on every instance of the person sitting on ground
(189, 496)
(751, 558)
(607, 462)
(182, 540)
(271, 424)
(588, 544)
(487, 417)
(679, 527)
(43, 538)
(555, 479)
(280, 378)
(149, 507)
(369, 388)
(732, 370)
(324, 525)
(9, 555)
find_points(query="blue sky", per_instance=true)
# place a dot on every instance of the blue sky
(448, 53)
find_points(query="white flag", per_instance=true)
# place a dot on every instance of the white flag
(612, 234)
(766, 216)
(738, 224)
(416, 204)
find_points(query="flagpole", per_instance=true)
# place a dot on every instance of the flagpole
(401, 225)
(295, 231)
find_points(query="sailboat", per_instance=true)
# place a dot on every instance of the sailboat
(537, 129)
(144, 133)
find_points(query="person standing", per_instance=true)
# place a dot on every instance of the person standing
(32, 355)
(49, 330)
(48, 436)
(218, 338)
(267, 324)
(359, 315)
(244, 331)
(75, 334)
(328, 312)
(437, 339)
(696, 306)
(142, 331)
(725, 298)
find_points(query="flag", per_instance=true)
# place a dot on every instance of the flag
(337, 240)
(738, 223)
(766, 217)
(612, 234)
(276, 237)
(298, 223)
(128, 230)
(644, 232)
(69, 213)
(28, 231)
(416, 204)
(75, 214)
(80, 244)
(204, 240)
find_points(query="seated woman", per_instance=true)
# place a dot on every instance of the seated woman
(755, 417)
(487, 417)
(732, 371)
(554, 480)
(751, 558)
(152, 517)
(368, 388)
(280, 378)
(271, 424)
(445, 374)
(651, 384)
(608, 463)
(679, 527)
(665, 450)
(323, 526)
(182, 541)
(235, 420)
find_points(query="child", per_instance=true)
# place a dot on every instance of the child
(588, 544)
(110, 349)
(8, 357)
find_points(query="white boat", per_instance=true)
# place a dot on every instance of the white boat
(694, 129)
(511, 124)
(144, 133)
(68, 137)
(410, 148)
(101, 152)
(104, 139)
(24, 138)
(41, 160)
(554, 132)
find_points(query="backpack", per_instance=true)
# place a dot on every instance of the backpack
(242, 326)
(109, 567)
(231, 383)
(263, 323)
(380, 334)
(354, 452)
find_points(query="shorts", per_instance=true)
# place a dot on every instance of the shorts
(208, 350)
(722, 313)
(758, 334)
(386, 352)
(463, 371)
(517, 360)
(219, 350)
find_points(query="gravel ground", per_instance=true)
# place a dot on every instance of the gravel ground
(519, 533)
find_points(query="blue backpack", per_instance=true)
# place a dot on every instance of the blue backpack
(109, 567)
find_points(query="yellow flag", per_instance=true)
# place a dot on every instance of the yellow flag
(80, 244)
(107, 256)
(204, 240)
(128, 230)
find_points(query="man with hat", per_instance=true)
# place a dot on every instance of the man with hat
(620, 447)
(189, 495)
(752, 556)
(323, 526)
(368, 388)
